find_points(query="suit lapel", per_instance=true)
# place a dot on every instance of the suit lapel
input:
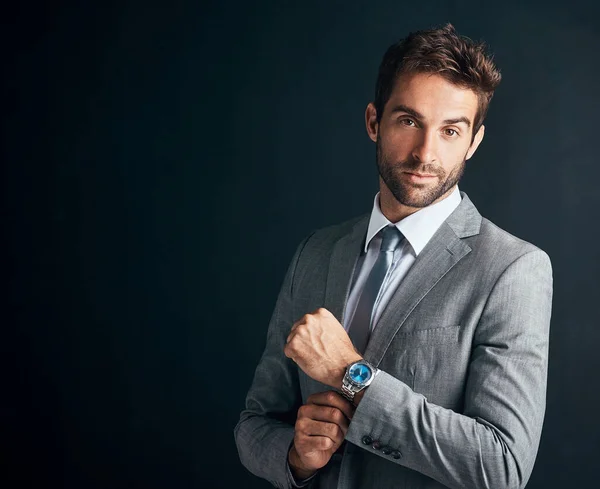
(341, 267)
(445, 249)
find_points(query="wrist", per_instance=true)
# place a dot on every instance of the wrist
(299, 471)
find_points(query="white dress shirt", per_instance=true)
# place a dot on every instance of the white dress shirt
(418, 228)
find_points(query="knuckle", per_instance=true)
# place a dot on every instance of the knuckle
(331, 397)
(333, 413)
(302, 411)
(338, 417)
(300, 443)
(326, 443)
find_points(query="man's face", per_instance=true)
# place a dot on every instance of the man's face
(424, 138)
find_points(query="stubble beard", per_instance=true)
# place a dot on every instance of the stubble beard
(415, 194)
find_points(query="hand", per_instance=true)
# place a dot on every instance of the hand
(320, 429)
(320, 346)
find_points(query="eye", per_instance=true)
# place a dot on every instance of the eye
(407, 122)
(450, 132)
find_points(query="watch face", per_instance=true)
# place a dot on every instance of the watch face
(360, 373)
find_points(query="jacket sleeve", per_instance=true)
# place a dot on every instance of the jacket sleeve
(265, 430)
(494, 441)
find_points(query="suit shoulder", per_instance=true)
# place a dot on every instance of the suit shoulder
(504, 245)
(326, 237)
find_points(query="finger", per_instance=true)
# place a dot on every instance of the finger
(312, 427)
(294, 326)
(326, 414)
(321, 311)
(313, 443)
(303, 320)
(333, 399)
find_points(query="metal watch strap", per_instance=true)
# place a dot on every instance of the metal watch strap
(347, 393)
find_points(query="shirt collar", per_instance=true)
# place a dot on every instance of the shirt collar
(419, 227)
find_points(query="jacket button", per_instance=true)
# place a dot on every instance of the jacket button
(386, 450)
(396, 454)
(376, 444)
(367, 440)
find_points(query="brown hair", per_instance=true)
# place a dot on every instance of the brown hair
(442, 51)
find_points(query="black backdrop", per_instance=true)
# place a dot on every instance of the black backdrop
(162, 161)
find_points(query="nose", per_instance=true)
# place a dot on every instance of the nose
(425, 149)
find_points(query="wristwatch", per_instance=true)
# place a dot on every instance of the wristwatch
(358, 376)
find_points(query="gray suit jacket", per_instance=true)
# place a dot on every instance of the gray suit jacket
(462, 347)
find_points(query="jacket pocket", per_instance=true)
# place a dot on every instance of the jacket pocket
(437, 360)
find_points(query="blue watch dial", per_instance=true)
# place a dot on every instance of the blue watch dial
(360, 373)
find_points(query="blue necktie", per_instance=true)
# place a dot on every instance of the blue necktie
(360, 327)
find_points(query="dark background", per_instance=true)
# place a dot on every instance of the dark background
(162, 161)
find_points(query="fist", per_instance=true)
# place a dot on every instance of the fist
(320, 346)
(320, 429)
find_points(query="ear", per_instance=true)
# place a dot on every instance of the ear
(371, 121)
(476, 141)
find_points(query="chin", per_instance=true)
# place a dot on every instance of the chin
(417, 196)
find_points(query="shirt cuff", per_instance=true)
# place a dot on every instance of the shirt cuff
(298, 483)
(295, 482)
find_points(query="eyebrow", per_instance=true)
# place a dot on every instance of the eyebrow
(418, 115)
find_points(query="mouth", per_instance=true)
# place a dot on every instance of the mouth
(420, 177)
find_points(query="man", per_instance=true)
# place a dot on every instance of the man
(408, 348)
